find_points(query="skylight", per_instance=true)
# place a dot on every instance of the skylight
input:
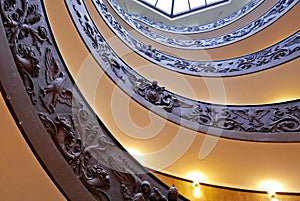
(175, 8)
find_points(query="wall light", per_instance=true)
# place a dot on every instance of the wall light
(196, 177)
(271, 187)
(197, 191)
(273, 198)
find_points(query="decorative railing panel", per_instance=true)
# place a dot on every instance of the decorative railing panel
(258, 123)
(273, 14)
(246, 9)
(106, 170)
(282, 52)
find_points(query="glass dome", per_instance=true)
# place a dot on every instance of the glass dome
(175, 8)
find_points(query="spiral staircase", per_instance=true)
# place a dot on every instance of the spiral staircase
(101, 95)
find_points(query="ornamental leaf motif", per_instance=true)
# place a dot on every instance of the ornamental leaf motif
(193, 29)
(280, 8)
(194, 114)
(261, 60)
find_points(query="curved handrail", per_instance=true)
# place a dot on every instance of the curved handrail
(246, 9)
(261, 60)
(255, 123)
(82, 156)
(269, 17)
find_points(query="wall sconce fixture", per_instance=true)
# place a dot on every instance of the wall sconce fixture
(273, 198)
(196, 191)
(197, 178)
(271, 187)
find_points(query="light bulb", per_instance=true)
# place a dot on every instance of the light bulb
(196, 177)
(271, 187)
(196, 191)
(273, 198)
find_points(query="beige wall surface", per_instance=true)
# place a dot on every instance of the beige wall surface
(21, 176)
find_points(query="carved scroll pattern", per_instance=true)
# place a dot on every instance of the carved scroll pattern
(76, 132)
(286, 50)
(251, 5)
(196, 115)
(20, 32)
(31, 48)
(280, 8)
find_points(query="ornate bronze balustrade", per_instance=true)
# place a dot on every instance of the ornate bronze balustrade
(275, 122)
(246, 9)
(282, 52)
(76, 149)
(273, 14)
